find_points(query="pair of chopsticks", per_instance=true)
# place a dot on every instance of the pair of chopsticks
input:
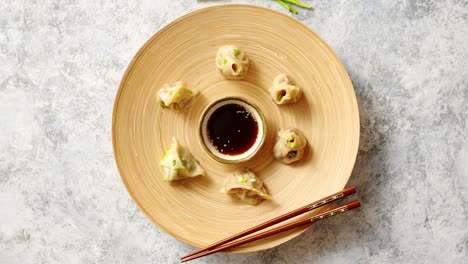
(227, 244)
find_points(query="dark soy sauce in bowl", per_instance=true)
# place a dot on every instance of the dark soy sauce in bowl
(232, 129)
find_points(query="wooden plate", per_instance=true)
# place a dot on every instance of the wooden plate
(197, 212)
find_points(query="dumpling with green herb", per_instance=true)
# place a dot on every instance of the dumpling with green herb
(175, 96)
(178, 164)
(247, 187)
(290, 146)
(283, 92)
(231, 63)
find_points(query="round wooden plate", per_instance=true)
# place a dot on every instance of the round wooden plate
(197, 212)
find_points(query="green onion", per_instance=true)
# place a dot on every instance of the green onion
(236, 51)
(293, 10)
(174, 162)
(292, 141)
(224, 61)
(283, 4)
(298, 3)
(294, 2)
(241, 179)
(281, 94)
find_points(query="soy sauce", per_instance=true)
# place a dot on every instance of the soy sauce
(232, 129)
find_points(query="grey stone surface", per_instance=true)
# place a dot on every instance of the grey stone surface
(62, 201)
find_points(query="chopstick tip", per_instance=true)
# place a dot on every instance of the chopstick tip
(355, 203)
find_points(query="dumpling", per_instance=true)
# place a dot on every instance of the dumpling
(179, 164)
(283, 92)
(290, 146)
(175, 96)
(247, 187)
(231, 63)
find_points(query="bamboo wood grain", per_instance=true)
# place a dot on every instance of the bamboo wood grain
(197, 212)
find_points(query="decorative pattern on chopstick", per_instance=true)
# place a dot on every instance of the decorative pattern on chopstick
(329, 199)
(281, 218)
(332, 212)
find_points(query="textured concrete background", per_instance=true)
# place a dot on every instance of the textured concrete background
(62, 201)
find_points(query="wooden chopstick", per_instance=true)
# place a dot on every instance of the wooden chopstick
(274, 231)
(281, 218)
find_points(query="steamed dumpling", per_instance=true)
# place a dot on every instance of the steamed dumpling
(231, 63)
(247, 187)
(179, 164)
(290, 146)
(175, 96)
(283, 92)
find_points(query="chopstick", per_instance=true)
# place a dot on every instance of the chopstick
(281, 218)
(274, 231)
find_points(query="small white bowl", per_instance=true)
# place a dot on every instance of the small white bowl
(211, 149)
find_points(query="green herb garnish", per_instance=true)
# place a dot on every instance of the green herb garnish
(298, 3)
(292, 141)
(281, 94)
(174, 162)
(236, 51)
(223, 61)
(288, 5)
(241, 179)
